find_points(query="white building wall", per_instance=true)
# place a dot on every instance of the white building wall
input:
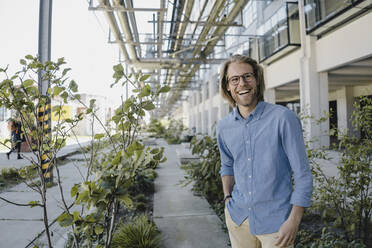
(284, 70)
(347, 44)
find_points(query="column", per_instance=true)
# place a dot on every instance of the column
(269, 95)
(313, 89)
(345, 103)
(324, 108)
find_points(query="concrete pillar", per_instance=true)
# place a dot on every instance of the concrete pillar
(345, 103)
(324, 109)
(223, 108)
(185, 114)
(313, 89)
(199, 123)
(205, 122)
(269, 95)
(314, 98)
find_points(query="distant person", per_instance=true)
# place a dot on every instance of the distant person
(262, 148)
(15, 137)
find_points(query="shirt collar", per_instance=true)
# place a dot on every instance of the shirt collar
(257, 112)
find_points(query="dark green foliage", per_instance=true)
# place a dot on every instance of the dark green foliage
(347, 199)
(141, 207)
(328, 239)
(13, 176)
(140, 198)
(172, 134)
(123, 171)
(138, 233)
(156, 127)
(174, 131)
(9, 174)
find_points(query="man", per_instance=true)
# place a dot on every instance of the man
(261, 147)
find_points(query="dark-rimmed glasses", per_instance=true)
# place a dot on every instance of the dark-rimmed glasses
(247, 77)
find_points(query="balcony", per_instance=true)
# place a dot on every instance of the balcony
(280, 34)
(324, 15)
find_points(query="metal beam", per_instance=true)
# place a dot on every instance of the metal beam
(202, 23)
(122, 9)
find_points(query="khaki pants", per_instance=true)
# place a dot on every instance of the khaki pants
(241, 237)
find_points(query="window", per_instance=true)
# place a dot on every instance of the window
(249, 13)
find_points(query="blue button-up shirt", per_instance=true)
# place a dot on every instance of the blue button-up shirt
(262, 152)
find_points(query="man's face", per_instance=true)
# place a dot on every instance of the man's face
(244, 92)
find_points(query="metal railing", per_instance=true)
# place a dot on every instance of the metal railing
(319, 12)
(280, 31)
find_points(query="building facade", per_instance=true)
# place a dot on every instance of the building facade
(317, 58)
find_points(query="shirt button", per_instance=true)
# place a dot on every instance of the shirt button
(250, 176)
(247, 142)
(249, 209)
(249, 192)
(249, 159)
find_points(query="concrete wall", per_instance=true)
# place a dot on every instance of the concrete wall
(345, 45)
(284, 70)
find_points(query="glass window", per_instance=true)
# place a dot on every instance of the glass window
(274, 32)
(317, 11)
(249, 13)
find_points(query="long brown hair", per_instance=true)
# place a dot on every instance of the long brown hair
(258, 74)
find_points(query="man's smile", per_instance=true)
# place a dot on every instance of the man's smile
(243, 92)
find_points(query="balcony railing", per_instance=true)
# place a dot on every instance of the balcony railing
(280, 34)
(332, 12)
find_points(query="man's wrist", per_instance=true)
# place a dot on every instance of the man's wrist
(227, 197)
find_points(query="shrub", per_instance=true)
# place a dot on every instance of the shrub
(9, 173)
(140, 198)
(138, 233)
(347, 198)
(141, 206)
(328, 239)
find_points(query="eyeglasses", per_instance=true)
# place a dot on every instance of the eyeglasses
(247, 77)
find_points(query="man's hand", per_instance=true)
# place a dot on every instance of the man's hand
(287, 232)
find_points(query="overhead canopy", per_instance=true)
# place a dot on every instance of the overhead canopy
(183, 37)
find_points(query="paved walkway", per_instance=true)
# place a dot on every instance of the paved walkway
(185, 220)
(20, 225)
(19, 163)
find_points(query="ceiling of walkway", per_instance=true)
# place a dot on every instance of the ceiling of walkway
(169, 39)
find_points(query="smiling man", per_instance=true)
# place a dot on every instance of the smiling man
(262, 148)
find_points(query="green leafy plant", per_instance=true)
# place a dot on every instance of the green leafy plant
(139, 232)
(174, 131)
(20, 93)
(347, 199)
(156, 128)
(328, 239)
(126, 167)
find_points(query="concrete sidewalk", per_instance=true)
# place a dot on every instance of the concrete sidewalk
(185, 220)
(13, 162)
(20, 225)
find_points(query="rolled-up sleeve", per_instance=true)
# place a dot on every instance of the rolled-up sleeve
(227, 160)
(294, 147)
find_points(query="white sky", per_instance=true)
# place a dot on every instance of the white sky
(78, 35)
